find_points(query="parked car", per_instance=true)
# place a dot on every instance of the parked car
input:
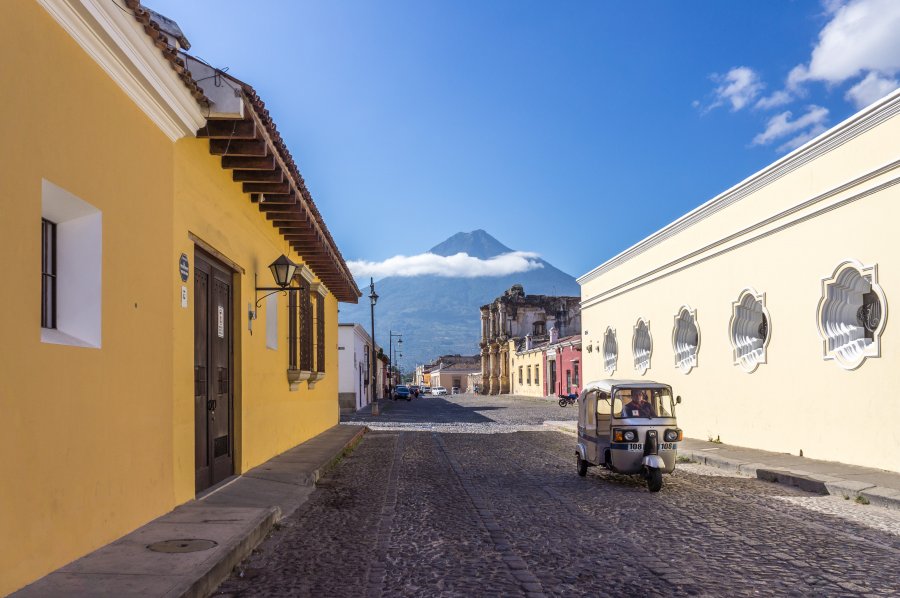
(402, 392)
(438, 390)
(426, 390)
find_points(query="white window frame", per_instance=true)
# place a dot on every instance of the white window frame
(686, 357)
(642, 346)
(837, 312)
(747, 315)
(79, 250)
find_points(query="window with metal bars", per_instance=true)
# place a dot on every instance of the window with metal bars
(300, 322)
(320, 333)
(48, 274)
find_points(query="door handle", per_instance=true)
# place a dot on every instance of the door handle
(211, 405)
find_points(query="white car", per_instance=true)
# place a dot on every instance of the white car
(438, 390)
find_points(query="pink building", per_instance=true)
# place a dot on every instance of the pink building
(562, 364)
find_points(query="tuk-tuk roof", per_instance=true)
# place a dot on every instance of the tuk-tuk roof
(607, 384)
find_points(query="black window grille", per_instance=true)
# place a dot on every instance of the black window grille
(320, 333)
(293, 327)
(48, 274)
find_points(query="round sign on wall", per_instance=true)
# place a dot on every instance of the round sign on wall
(184, 267)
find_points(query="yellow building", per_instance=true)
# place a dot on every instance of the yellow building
(526, 364)
(767, 307)
(140, 369)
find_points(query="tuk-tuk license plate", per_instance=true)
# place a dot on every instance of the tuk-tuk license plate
(667, 446)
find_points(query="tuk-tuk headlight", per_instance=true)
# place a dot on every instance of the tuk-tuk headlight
(624, 435)
(673, 435)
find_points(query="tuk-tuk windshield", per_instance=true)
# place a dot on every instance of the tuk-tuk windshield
(643, 402)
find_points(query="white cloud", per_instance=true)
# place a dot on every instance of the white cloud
(778, 98)
(872, 88)
(738, 87)
(862, 36)
(461, 265)
(781, 125)
(795, 142)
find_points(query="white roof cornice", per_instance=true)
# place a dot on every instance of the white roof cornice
(112, 36)
(833, 138)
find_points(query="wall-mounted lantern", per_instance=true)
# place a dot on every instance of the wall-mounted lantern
(283, 271)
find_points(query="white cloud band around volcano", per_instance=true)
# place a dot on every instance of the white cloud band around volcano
(460, 265)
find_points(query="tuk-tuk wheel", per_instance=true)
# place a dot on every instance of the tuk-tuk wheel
(654, 479)
(582, 465)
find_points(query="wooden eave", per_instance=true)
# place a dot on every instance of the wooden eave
(272, 183)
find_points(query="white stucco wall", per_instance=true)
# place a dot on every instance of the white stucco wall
(781, 232)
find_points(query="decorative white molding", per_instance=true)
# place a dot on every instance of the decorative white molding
(703, 254)
(318, 287)
(610, 350)
(306, 273)
(642, 346)
(851, 314)
(686, 339)
(117, 42)
(831, 139)
(749, 329)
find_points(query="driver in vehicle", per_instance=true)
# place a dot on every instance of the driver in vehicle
(633, 408)
(646, 407)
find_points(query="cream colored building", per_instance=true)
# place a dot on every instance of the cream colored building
(526, 367)
(767, 307)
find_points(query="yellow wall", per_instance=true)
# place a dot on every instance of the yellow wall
(527, 360)
(86, 438)
(797, 400)
(97, 442)
(269, 419)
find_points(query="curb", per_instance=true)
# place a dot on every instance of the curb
(810, 482)
(219, 571)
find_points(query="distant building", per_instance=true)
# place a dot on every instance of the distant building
(455, 376)
(513, 316)
(355, 367)
(562, 362)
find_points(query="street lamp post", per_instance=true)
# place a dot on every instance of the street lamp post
(373, 298)
(399, 335)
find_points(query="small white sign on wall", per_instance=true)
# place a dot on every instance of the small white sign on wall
(183, 296)
(221, 322)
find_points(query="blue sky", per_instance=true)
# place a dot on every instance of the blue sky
(568, 129)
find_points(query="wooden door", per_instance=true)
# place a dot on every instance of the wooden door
(213, 359)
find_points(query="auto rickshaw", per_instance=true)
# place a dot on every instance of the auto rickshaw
(629, 427)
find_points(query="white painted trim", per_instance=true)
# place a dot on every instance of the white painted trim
(744, 362)
(702, 254)
(634, 338)
(831, 139)
(610, 368)
(691, 361)
(870, 274)
(117, 42)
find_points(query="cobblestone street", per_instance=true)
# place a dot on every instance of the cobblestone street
(433, 504)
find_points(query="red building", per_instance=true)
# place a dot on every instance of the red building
(562, 364)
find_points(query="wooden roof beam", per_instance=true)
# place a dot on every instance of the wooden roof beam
(258, 176)
(238, 147)
(249, 162)
(228, 129)
(268, 188)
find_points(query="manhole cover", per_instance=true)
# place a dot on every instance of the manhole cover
(186, 545)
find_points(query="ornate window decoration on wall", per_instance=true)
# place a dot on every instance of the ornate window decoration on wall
(610, 350)
(686, 339)
(751, 328)
(642, 346)
(852, 314)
